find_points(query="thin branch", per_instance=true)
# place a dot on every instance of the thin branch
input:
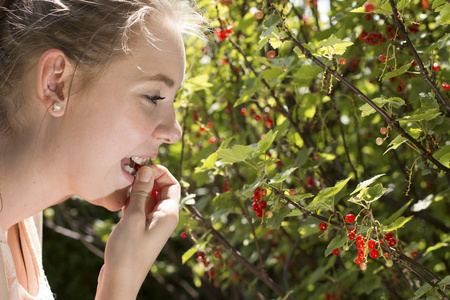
(262, 276)
(394, 124)
(341, 129)
(423, 71)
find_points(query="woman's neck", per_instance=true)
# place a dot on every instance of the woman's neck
(28, 181)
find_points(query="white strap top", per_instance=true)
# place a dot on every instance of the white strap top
(38, 287)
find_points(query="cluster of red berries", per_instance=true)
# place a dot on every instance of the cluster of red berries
(372, 38)
(258, 204)
(268, 121)
(445, 86)
(222, 34)
(202, 129)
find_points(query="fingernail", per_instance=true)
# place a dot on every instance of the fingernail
(145, 174)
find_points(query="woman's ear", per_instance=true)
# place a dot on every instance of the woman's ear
(54, 75)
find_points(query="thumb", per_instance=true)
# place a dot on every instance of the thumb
(141, 191)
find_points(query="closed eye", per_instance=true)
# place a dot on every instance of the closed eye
(154, 99)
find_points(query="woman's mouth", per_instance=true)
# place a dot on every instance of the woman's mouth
(132, 164)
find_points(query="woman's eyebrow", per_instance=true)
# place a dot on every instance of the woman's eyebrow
(159, 77)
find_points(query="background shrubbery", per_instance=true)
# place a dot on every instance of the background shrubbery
(290, 97)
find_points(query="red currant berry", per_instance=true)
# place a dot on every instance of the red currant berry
(259, 15)
(262, 204)
(382, 58)
(350, 218)
(436, 66)
(257, 117)
(183, 235)
(342, 61)
(229, 30)
(271, 54)
(358, 261)
(352, 230)
(310, 182)
(392, 242)
(369, 7)
(209, 124)
(383, 130)
(371, 244)
(386, 255)
(336, 251)
(269, 214)
(263, 192)
(235, 276)
(212, 140)
(351, 236)
(379, 141)
(363, 266)
(202, 128)
(220, 34)
(360, 238)
(243, 111)
(323, 226)
(255, 206)
(388, 236)
(414, 254)
(217, 254)
(259, 213)
(374, 253)
(292, 192)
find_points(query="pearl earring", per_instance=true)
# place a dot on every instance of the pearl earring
(56, 107)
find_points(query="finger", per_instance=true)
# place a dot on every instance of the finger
(166, 184)
(141, 191)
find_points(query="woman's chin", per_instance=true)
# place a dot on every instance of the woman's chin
(112, 202)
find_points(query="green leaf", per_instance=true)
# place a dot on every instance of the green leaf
(443, 243)
(250, 87)
(248, 189)
(197, 83)
(265, 143)
(333, 45)
(395, 143)
(373, 193)
(278, 217)
(443, 155)
(207, 163)
(328, 193)
(188, 200)
(422, 290)
(397, 72)
(188, 254)
(444, 12)
(397, 214)
(270, 24)
(306, 73)
(236, 154)
(282, 176)
(337, 242)
(366, 183)
(400, 222)
(445, 281)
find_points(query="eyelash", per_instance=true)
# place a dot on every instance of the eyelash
(154, 99)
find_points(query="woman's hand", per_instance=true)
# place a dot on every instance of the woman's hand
(141, 234)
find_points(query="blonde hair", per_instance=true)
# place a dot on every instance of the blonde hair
(91, 33)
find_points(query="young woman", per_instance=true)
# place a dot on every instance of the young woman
(86, 91)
